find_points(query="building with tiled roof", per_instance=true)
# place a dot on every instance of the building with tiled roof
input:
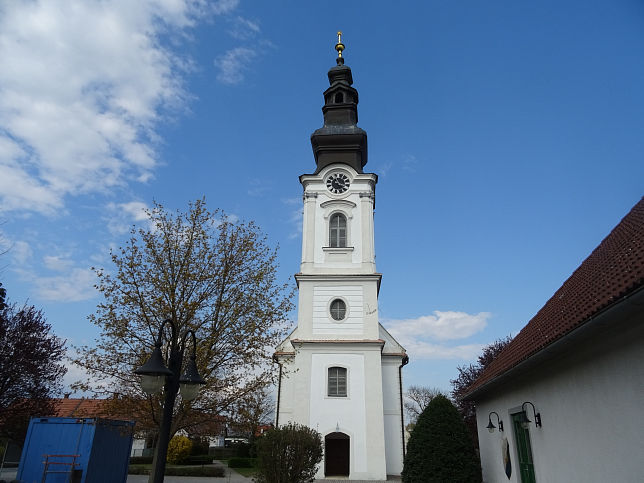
(81, 408)
(576, 371)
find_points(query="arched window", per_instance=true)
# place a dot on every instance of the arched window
(338, 231)
(339, 98)
(337, 382)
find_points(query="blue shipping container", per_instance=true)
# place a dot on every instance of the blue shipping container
(98, 448)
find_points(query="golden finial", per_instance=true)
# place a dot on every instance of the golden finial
(339, 46)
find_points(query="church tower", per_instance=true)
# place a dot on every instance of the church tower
(340, 370)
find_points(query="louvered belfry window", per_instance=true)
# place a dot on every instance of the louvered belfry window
(338, 231)
(337, 382)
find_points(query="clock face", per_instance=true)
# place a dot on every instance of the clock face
(337, 183)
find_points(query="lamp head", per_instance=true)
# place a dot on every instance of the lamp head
(153, 372)
(190, 380)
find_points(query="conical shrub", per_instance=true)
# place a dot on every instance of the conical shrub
(440, 448)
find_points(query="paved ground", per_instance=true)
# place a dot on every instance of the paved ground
(231, 477)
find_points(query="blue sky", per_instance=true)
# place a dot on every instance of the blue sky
(508, 138)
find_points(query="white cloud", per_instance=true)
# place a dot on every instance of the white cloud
(233, 64)
(224, 6)
(136, 209)
(83, 85)
(244, 29)
(21, 252)
(74, 285)
(120, 216)
(419, 335)
(424, 350)
(441, 325)
(57, 263)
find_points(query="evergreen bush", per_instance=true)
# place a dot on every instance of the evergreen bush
(289, 454)
(440, 448)
(240, 463)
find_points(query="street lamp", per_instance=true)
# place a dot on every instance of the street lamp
(156, 375)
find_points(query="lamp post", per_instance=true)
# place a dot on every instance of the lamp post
(156, 375)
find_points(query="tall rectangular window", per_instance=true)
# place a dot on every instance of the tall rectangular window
(337, 382)
(338, 231)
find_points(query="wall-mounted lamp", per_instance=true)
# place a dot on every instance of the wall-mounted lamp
(525, 422)
(490, 425)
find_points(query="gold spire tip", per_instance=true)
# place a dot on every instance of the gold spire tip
(339, 46)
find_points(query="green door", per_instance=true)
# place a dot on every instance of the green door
(522, 436)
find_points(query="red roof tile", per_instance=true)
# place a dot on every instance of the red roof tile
(82, 408)
(614, 269)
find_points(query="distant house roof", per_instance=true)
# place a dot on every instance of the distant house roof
(613, 270)
(81, 408)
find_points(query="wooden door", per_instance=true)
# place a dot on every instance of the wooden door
(336, 454)
(522, 438)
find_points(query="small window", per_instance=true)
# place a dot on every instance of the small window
(337, 382)
(338, 309)
(338, 231)
(339, 98)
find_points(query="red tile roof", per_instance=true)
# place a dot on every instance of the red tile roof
(79, 408)
(614, 269)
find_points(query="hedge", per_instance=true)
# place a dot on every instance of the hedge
(241, 462)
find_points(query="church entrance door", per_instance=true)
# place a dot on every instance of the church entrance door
(336, 454)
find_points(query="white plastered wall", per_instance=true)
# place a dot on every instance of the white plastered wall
(592, 414)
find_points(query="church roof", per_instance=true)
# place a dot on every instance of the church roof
(340, 140)
(612, 271)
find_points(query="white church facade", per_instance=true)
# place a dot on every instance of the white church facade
(340, 370)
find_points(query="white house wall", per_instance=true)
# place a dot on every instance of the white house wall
(392, 415)
(591, 405)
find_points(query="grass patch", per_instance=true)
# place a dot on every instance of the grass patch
(246, 471)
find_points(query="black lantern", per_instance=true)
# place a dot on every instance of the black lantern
(525, 421)
(490, 425)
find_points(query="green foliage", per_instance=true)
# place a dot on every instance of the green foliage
(221, 453)
(179, 450)
(199, 460)
(200, 445)
(241, 462)
(417, 398)
(440, 448)
(288, 454)
(241, 450)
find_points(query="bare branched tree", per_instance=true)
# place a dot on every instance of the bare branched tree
(208, 273)
(416, 400)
